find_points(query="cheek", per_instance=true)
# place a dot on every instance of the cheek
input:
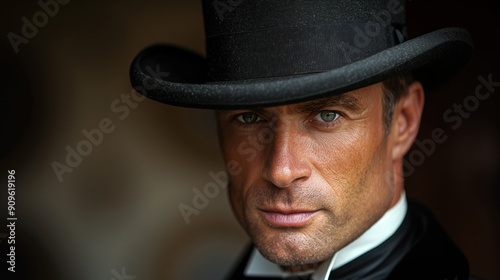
(350, 162)
(339, 157)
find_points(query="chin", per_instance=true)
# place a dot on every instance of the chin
(291, 258)
(290, 247)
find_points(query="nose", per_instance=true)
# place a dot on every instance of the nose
(286, 160)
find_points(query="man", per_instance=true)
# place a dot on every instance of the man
(316, 105)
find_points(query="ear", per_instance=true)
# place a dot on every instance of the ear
(406, 121)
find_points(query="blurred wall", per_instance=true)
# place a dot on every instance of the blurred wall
(118, 210)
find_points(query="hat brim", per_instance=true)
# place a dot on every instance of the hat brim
(177, 77)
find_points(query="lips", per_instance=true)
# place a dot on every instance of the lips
(295, 218)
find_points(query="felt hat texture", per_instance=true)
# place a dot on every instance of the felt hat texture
(264, 53)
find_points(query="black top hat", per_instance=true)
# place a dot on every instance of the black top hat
(269, 52)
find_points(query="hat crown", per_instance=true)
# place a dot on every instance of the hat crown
(248, 39)
(235, 16)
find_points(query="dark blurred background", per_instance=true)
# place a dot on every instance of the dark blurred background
(117, 212)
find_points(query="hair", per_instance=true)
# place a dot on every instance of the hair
(393, 88)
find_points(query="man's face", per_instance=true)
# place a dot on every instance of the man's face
(314, 175)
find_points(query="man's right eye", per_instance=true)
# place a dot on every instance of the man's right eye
(248, 118)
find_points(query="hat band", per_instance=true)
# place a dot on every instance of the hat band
(296, 50)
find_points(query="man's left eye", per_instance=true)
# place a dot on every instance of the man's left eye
(248, 118)
(327, 116)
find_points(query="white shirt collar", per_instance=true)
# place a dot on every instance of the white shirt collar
(384, 228)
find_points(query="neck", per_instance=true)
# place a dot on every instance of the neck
(398, 178)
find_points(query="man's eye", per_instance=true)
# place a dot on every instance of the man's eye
(248, 118)
(327, 116)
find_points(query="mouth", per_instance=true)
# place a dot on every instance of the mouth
(292, 218)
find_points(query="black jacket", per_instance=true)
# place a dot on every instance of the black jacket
(419, 249)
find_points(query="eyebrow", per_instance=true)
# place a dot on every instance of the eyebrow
(346, 101)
